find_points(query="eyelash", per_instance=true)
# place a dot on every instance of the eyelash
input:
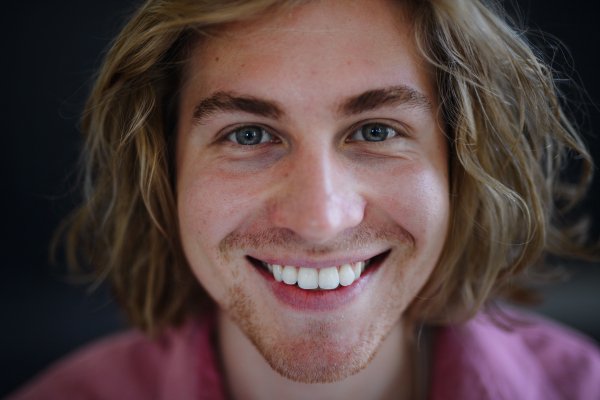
(395, 132)
(231, 135)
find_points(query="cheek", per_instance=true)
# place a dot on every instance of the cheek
(416, 197)
(212, 204)
(209, 209)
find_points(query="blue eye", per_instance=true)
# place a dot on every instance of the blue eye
(374, 133)
(250, 135)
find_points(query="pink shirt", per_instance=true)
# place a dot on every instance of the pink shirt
(477, 360)
(539, 361)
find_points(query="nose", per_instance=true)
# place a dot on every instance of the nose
(317, 196)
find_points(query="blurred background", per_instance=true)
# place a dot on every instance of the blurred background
(50, 51)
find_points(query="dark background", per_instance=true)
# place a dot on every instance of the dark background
(50, 51)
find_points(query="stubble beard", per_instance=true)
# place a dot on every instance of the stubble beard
(316, 353)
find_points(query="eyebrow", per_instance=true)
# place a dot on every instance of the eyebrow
(222, 101)
(391, 96)
(367, 101)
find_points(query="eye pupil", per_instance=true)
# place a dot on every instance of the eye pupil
(249, 135)
(375, 132)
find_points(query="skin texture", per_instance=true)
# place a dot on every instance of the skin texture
(313, 193)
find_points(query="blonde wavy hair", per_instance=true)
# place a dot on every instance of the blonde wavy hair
(509, 140)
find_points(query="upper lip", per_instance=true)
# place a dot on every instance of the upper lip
(305, 262)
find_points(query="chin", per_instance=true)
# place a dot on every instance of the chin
(312, 350)
(316, 361)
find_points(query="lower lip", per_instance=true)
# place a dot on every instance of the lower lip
(323, 300)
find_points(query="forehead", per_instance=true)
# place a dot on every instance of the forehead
(321, 50)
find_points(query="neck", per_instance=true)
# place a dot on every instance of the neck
(389, 375)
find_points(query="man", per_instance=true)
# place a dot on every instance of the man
(334, 175)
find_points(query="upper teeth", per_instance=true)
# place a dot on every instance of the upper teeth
(312, 278)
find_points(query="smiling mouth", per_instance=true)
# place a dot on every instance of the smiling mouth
(314, 279)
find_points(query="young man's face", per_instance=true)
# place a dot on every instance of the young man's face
(313, 139)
